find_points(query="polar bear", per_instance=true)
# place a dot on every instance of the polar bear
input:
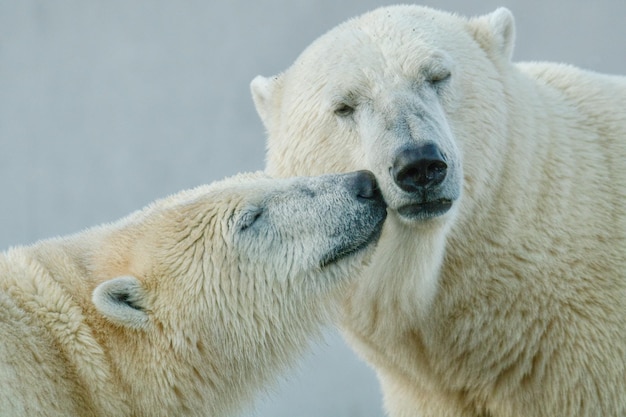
(499, 285)
(186, 307)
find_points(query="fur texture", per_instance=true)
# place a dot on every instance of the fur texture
(508, 298)
(186, 308)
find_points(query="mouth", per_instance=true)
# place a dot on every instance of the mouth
(354, 246)
(425, 210)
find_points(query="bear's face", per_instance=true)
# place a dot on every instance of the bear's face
(297, 227)
(203, 297)
(223, 261)
(393, 91)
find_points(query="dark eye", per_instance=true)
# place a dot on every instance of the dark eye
(249, 217)
(344, 110)
(439, 77)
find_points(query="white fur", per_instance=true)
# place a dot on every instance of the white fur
(512, 303)
(186, 308)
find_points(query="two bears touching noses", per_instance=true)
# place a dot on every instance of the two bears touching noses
(473, 244)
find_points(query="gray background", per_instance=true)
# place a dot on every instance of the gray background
(108, 105)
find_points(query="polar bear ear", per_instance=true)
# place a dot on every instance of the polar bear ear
(263, 90)
(496, 31)
(122, 301)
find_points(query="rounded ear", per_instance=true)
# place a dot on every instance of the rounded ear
(495, 31)
(263, 91)
(122, 301)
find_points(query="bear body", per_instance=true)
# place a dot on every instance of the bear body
(185, 308)
(498, 287)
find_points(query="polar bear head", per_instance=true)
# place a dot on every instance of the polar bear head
(413, 94)
(205, 295)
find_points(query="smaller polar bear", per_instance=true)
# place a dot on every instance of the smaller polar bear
(186, 307)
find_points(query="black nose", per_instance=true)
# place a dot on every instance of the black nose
(419, 167)
(365, 186)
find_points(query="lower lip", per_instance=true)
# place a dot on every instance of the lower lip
(425, 211)
(337, 255)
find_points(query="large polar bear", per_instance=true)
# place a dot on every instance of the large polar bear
(186, 307)
(499, 285)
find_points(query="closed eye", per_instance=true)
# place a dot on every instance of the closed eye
(439, 78)
(344, 110)
(249, 217)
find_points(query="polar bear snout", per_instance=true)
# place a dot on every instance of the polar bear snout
(359, 223)
(366, 187)
(417, 168)
(426, 180)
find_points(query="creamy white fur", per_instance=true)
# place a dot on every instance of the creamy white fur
(514, 302)
(185, 308)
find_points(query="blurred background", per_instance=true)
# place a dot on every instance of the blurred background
(108, 105)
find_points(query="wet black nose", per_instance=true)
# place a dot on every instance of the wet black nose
(365, 186)
(419, 167)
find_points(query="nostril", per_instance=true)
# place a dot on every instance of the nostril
(436, 170)
(419, 167)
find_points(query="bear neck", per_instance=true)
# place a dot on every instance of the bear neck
(220, 364)
(65, 312)
(402, 274)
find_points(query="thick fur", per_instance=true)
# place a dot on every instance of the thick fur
(186, 308)
(513, 302)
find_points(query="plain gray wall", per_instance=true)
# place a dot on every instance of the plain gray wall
(108, 105)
